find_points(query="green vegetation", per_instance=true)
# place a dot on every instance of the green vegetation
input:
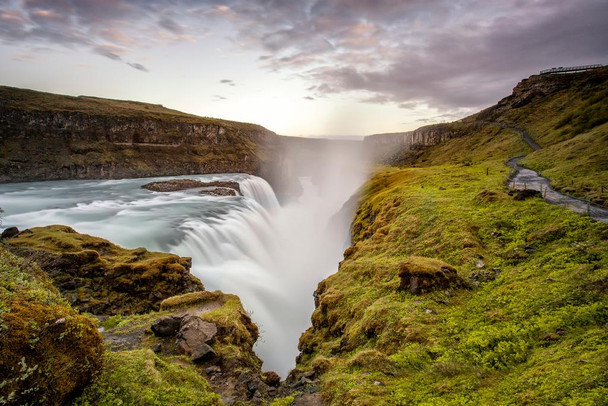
(47, 351)
(568, 116)
(529, 327)
(140, 377)
(102, 278)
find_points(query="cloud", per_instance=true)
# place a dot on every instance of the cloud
(228, 82)
(217, 97)
(443, 54)
(138, 66)
(309, 98)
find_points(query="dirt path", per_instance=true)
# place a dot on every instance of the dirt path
(528, 179)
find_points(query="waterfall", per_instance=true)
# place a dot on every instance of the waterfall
(271, 256)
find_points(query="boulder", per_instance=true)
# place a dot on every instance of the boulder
(9, 233)
(193, 336)
(423, 275)
(166, 326)
(271, 378)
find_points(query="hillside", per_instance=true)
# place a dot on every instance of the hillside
(455, 291)
(48, 137)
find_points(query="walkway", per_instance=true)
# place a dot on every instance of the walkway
(528, 179)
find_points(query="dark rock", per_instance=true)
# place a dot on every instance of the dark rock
(441, 188)
(418, 277)
(166, 326)
(9, 233)
(202, 352)
(157, 347)
(192, 337)
(271, 378)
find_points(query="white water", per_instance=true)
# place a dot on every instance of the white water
(272, 257)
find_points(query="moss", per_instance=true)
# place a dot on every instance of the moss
(142, 378)
(190, 299)
(48, 352)
(102, 278)
(517, 337)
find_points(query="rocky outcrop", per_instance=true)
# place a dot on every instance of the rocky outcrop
(52, 137)
(217, 188)
(424, 275)
(101, 278)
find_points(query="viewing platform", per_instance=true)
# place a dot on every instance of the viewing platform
(570, 69)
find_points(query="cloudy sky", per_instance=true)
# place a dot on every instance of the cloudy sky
(299, 67)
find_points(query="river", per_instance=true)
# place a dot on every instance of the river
(271, 256)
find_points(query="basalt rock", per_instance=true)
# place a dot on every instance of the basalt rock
(166, 326)
(193, 338)
(9, 233)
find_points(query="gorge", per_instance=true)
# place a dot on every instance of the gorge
(402, 269)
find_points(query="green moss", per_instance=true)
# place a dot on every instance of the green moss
(517, 339)
(48, 352)
(142, 378)
(102, 278)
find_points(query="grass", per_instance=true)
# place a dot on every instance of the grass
(48, 352)
(535, 335)
(140, 377)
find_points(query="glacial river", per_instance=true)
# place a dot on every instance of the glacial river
(271, 256)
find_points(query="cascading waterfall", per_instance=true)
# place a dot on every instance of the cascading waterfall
(272, 257)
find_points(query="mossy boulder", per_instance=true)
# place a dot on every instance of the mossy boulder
(423, 275)
(102, 278)
(48, 352)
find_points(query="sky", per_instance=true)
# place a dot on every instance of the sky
(299, 67)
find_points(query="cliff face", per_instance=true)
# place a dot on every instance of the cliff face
(52, 137)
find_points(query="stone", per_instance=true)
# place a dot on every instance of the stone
(219, 191)
(157, 348)
(192, 338)
(479, 263)
(271, 378)
(166, 326)
(9, 233)
(441, 188)
(214, 369)
(419, 277)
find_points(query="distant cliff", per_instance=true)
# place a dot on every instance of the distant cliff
(50, 137)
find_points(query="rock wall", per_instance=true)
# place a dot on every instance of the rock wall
(44, 142)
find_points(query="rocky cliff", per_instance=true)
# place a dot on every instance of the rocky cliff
(50, 137)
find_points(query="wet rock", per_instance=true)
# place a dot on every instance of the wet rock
(9, 233)
(219, 191)
(166, 326)
(193, 336)
(157, 348)
(173, 185)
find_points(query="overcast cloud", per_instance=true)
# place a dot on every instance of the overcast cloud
(450, 55)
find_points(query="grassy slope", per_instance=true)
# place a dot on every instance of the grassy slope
(572, 127)
(32, 101)
(535, 335)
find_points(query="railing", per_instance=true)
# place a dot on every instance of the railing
(561, 69)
